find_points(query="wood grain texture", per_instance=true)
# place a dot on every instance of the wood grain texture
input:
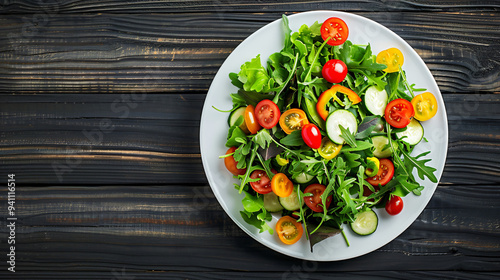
(154, 138)
(141, 228)
(221, 7)
(115, 53)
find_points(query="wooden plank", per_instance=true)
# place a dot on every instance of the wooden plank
(224, 6)
(85, 139)
(115, 53)
(139, 228)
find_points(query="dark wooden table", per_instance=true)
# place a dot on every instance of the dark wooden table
(100, 105)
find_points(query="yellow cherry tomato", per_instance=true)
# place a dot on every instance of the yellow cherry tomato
(293, 119)
(281, 161)
(281, 185)
(373, 165)
(328, 149)
(393, 58)
(425, 106)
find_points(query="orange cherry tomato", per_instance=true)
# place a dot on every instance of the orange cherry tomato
(230, 163)
(392, 57)
(281, 185)
(293, 119)
(425, 106)
(289, 230)
(250, 120)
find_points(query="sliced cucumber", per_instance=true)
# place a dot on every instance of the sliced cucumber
(379, 142)
(337, 118)
(365, 223)
(234, 116)
(376, 100)
(303, 178)
(414, 133)
(291, 202)
(272, 203)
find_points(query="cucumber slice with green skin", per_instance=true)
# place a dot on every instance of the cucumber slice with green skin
(337, 118)
(376, 100)
(303, 178)
(379, 142)
(414, 133)
(272, 203)
(291, 202)
(233, 117)
(365, 223)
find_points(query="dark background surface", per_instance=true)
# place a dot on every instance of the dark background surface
(100, 104)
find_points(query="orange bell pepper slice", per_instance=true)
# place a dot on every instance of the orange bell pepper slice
(327, 95)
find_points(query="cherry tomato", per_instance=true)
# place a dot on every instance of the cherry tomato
(399, 112)
(293, 119)
(392, 57)
(311, 135)
(281, 185)
(268, 113)
(250, 120)
(262, 186)
(336, 29)
(425, 106)
(394, 206)
(385, 173)
(230, 163)
(328, 149)
(289, 231)
(314, 202)
(334, 71)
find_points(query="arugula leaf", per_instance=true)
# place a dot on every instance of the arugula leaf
(348, 136)
(359, 146)
(293, 139)
(422, 169)
(263, 138)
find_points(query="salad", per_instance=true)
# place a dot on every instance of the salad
(323, 132)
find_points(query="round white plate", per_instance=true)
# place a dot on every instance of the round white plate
(213, 132)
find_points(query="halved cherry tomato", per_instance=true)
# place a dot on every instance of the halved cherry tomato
(425, 106)
(293, 119)
(334, 71)
(250, 120)
(394, 206)
(314, 202)
(385, 173)
(393, 58)
(311, 135)
(289, 231)
(281, 185)
(268, 113)
(336, 29)
(230, 163)
(262, 186)
(328, 149)
(399, 112)
(327, 95)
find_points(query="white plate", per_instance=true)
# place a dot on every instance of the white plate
(213, 132)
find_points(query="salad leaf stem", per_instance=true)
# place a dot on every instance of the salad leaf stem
(277, 96)
(308, 75)
(405, 81)
(249, 164)
(345, 238)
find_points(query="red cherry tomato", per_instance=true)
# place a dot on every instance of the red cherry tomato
(311, 135)
(399, 112)
(334, 71)
(336, 29)
(262, 186)
(268, 114)
(385, 173)
(394, 206)
(231, 163)
(314, 202)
